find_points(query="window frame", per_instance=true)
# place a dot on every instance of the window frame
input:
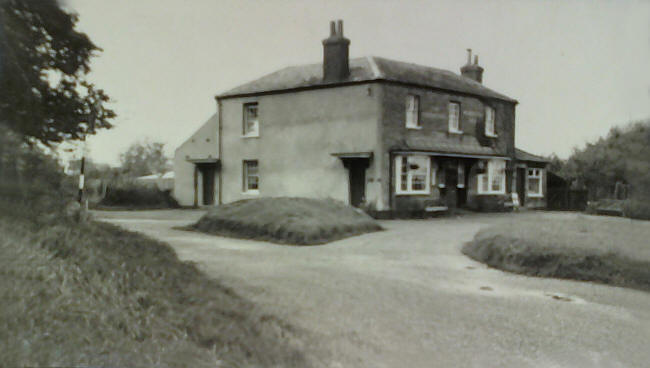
(457, 129)
(398, 160)
(540, 185)
(490, 111)
(414, 113)
(246, 177)
(489, 175)
(246, 132)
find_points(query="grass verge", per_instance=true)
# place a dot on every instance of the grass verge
(605, 250)
(298, 221)
(91, 294)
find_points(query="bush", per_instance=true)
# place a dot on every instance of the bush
(637, 209)
(298, 221)
(138, 196)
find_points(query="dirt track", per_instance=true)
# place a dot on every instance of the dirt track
(407, 297)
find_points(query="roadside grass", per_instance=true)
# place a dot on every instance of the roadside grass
(297, 221)
(91, 294)
(611, 251)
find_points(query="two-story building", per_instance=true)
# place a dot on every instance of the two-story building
(390, 136)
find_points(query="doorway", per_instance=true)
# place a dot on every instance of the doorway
(357, 178)
(521, 185)
(207, 175)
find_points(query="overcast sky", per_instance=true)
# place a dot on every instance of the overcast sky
(576, 67)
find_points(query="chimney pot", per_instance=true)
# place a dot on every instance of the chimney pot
(472, 71)
(336, 66)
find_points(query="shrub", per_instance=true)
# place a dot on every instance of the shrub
(637, 209)
(138, 196)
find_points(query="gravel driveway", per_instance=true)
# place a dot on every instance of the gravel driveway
(407, 297)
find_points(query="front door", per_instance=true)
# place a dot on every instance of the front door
(521, 185)
(357, 171)
(451, 184)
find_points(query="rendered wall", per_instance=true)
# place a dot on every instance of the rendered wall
(298, 133)
(203, 144)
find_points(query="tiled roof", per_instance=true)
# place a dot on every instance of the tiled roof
(363, 70)
(522, 155)
(467, 145)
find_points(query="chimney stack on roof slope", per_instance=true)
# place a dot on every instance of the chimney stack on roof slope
(472, 71)
(336, 65)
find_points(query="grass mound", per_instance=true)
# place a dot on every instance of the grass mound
(299, 221)
(91, 294)
(605, 250)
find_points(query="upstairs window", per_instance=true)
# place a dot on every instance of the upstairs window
(412, 174)
(454, 117)
(534, 183)
(251, 122)
(493, 181)
(490, 129)
(251, 177)
(413, 112)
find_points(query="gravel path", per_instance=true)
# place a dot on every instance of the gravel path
(407, 297)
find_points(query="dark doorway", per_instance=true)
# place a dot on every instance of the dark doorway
(207, 173)
(521, 185)
(451, 186)
(357, 175)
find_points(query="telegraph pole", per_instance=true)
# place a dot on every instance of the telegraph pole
(83, 155)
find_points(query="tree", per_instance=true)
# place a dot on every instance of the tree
(623, 156)
(144, 158)
(43, 63)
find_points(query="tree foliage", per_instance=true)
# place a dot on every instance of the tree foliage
(144, 158)
(622, 156)
(43, 64)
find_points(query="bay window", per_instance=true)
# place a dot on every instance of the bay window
(412, 174)
(493, 181)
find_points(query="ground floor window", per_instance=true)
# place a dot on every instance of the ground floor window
(493, 181)
(251, 176)
(534, 183)
(412, 174)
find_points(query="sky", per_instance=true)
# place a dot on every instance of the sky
(577, 68)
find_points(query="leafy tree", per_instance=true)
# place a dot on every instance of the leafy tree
(622, 156)
(43, 63)
(144, 158)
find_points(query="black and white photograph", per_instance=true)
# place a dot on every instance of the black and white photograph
(325, 184)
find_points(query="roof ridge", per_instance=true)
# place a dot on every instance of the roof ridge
(374, 67)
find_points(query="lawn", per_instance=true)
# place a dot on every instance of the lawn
(298, 221)
(607, 250)
(91, 294)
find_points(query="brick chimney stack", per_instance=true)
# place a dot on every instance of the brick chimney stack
(336, 48)
(472, 71)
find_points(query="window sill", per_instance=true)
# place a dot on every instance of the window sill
(414, 127)
(492, 135)
(455, 132)
(491, 193)
(534, 195)
(250, 136)
(412, 193)
(251, 192)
